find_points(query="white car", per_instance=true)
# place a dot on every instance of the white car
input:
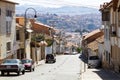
(74, 52)
(12, 65)
(93, 61)
(67, 52)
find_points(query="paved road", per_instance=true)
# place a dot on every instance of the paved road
(67, 67)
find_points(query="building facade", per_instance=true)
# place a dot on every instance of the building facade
(111, 22)
(23, 39)
(7, 29)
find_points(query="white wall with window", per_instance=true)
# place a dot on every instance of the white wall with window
(7, 28)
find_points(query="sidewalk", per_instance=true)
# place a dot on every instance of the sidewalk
(99, 74)
(40, 63)
(90, 74)
(96, 74)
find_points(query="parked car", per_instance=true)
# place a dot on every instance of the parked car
(12, 65)
(67, 52)
(93, 61)
(74, 52)
(29, 64)
(50, 58)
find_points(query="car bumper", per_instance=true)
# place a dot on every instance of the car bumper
(9, 70)
(27, 68)
(50, 60)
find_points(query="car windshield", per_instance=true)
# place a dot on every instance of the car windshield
(26, 61)
(94, 57)
(50, 56)
(10, 61)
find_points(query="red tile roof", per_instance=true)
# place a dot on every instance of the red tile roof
(20, 21)
(94, 45)
(93, 35)
(37, 27)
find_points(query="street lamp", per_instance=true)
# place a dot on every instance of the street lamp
(27, 29)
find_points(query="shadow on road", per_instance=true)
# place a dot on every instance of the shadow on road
(10, 75)
(107, 75)
(83, 58)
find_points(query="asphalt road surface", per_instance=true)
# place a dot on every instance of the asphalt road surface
(67, 67)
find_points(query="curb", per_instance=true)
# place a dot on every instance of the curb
(40, 63)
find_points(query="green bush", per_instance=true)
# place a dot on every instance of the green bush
(79, 49)
(49, 42)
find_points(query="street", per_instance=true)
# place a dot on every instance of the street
(67, 67)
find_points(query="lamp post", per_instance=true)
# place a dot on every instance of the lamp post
(25, 28)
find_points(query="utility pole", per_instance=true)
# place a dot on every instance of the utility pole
(59, 42)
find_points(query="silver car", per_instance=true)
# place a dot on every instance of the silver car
(93, 61)
(12, 65)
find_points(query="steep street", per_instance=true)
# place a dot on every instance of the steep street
(67, 67)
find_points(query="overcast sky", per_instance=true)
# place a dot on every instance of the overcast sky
(59, 3)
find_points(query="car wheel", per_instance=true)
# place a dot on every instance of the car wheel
(23, 72)
(54, 61)
(33, 69)
(7, 73)
(18, 73)
(88, 66)
(46, 62)
(2, 73)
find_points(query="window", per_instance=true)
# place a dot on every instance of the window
(8, 46)
(8, 13)
(17, 35)
(26, 35)
(106, 16)
(0, 11)
(8, 27)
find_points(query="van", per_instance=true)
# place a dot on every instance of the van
(93, 61)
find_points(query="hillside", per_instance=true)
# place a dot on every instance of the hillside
(79, 23)
(65, 10)
(68, 18)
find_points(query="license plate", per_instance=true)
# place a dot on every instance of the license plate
(8, 67)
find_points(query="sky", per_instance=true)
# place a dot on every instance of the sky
(59, 3)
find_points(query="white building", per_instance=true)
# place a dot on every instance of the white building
(7, 28)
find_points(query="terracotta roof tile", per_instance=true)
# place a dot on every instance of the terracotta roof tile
(94, 45)
(37, 27)
(41, 28)
(20, 21)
